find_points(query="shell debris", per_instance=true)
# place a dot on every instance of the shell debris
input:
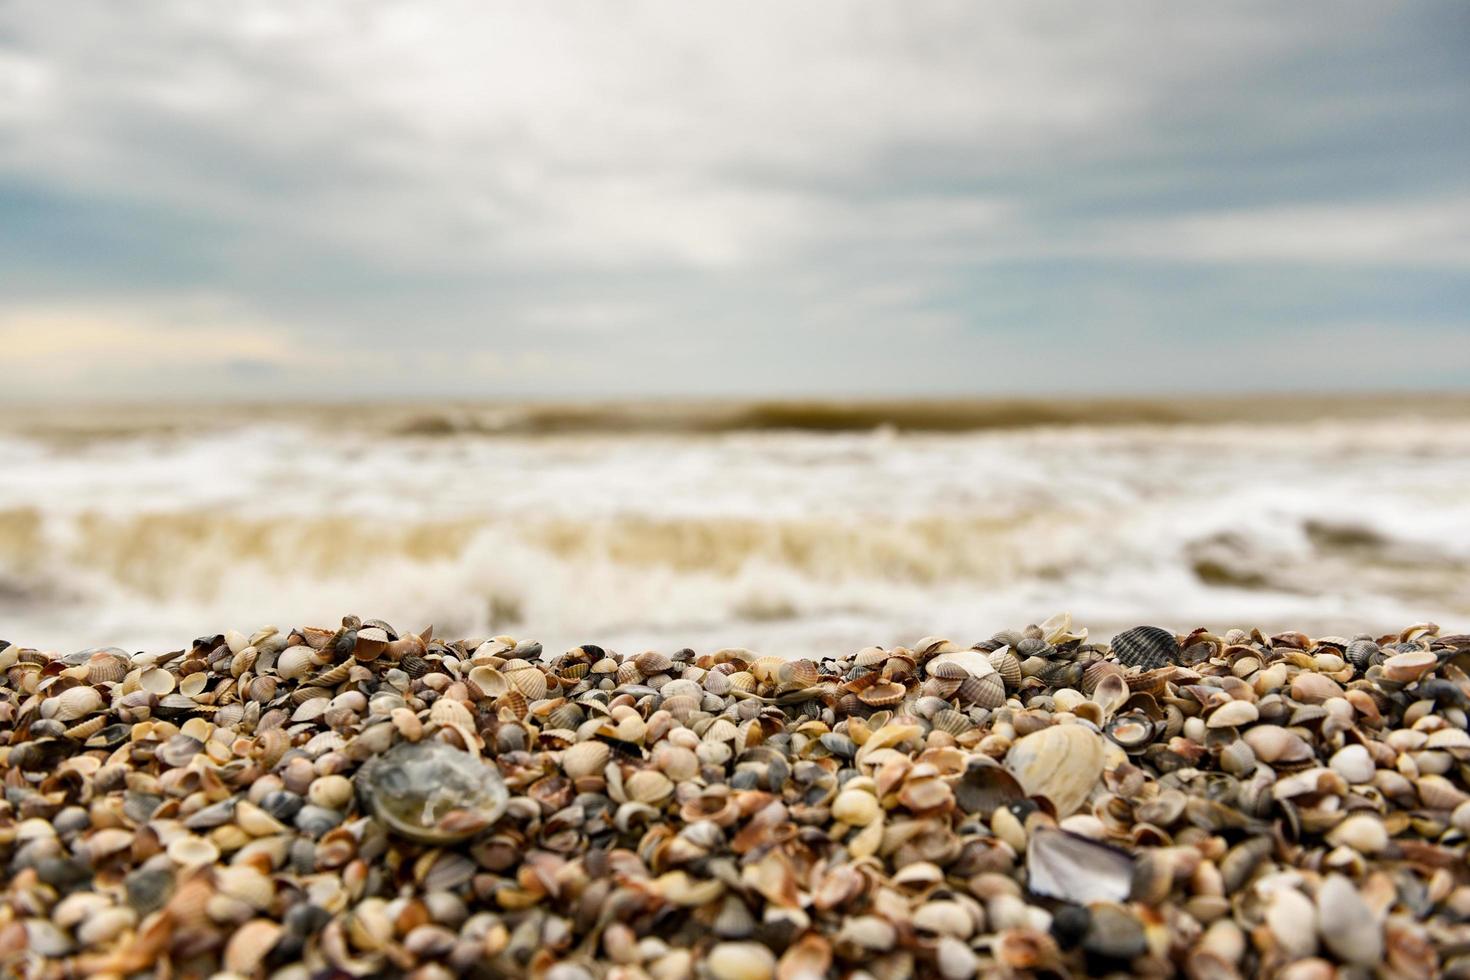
(365, 801)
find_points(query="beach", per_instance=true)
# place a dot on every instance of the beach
(354, 800)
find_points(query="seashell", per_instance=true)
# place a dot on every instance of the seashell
(1061, 762)
(856, 807)
(73, 703)
(1008, 666)
(585, 759)
(648, 786)
(1132, 730)
(1348, 925)
(882, 694)
(84, 731)
(972, 661)
(189, 851)
(1095, 672)
(194, 684)
(1233, 714)
(1145, 647)
(797, 674)
(295, 662)
(953, 722)
(652, 662)
(104, 668)
(432, 793)
(985, 692)
(870, 657)
(156, 680)
(249, 946)
(1405, 668)
(1438, 793)
(740, 961)
(531, 683)
(1072, 868)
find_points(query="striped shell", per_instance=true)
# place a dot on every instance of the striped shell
(953, 722)
(1147, 647)
(987, 692)
(797, 674)
(1095, 672)
(652, 662)
(334, 676)
(531, 683)
(948, 670)
(743, 681)
(295, 662)
(941, 687)
(628, 673)
(104, 668)
(717, 682)
(870, 657)
(1008, 666)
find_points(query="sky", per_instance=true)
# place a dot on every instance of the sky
(381, 199)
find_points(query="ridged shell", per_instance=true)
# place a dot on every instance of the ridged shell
(870, 657)
(194, 684)
(531, 683)
(1095, 672)
(648, 786)
(74, 703)
(797, 674)
(104, 668)
(295, 663)
(88, 728)
(334, 676)
(743, 681)
(1008, 666)
(973, 661)
(652, 662)
(953, 722)
(940, 687)
(585, 759)
(948, 670)
(987, 692)
(717, 683)
(882, 694)
(565, 716)
(1147, 647)
(628, 673)
(1061, 762)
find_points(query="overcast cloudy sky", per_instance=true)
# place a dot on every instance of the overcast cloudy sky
(380, 199)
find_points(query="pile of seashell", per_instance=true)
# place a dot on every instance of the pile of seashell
(365, 802)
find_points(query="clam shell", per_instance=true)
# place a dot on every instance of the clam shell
(431, 792)
(531, 683)
(652, 662)
(1061, 762)
(1147, 647)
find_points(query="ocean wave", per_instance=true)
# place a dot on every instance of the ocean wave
(793, 539)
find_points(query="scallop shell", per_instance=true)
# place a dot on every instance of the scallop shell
(648, 786)
(1148, 647)
(295, 662)
(870, 657)
(628, 673)
(336, 675)
(743, 681)
(882, 694)
(1061, 762)
(88, 728)
(948, 670)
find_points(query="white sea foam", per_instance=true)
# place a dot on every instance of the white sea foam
(790, 540)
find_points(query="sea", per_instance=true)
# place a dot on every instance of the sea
(791, 528)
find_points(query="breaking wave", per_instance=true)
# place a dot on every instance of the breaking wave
(788, 539)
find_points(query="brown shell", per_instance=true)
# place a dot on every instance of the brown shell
(987, 692)
(882, 694)
(1008, 666)
(652, 662)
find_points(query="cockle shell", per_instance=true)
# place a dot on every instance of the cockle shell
(1146, 647)
(1061, 762)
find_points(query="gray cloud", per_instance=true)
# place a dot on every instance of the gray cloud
(831, 197)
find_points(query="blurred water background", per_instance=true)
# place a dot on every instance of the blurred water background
(786, 527)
